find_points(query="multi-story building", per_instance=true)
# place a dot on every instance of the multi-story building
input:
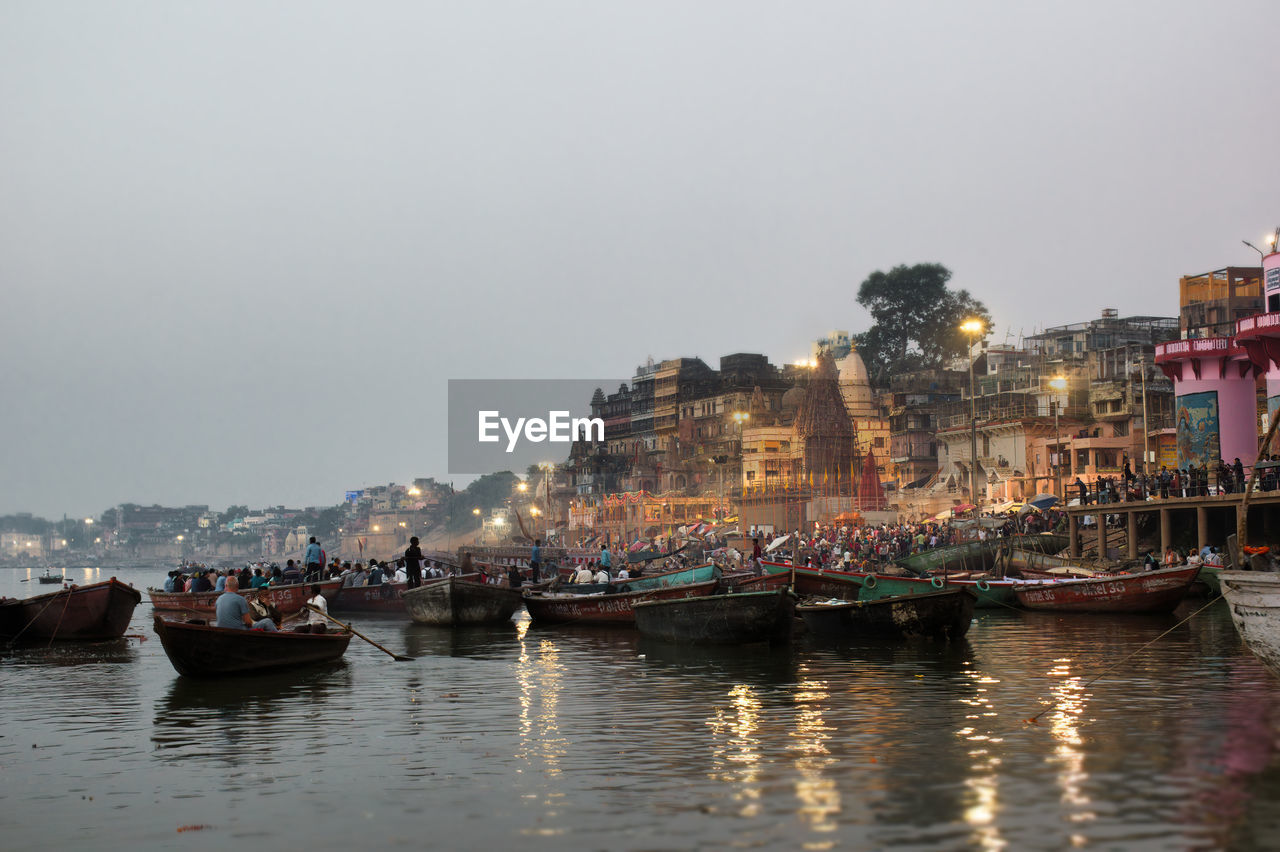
(1210, 303)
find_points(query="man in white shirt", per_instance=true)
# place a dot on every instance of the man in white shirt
(316, 621)
(584, 575)
(602, 576)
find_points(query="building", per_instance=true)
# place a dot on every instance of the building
(1209, 304)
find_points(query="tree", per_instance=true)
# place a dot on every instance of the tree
(915, 320)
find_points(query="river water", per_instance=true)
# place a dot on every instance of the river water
(1038, 732)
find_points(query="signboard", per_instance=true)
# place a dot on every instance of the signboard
(1273, 279)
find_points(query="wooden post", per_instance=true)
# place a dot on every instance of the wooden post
(1073, 534)
(1202, 526)
(1131, 530)
(1102, 534)
(1166, 532)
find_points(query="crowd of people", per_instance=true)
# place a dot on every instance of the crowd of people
(1189, 481)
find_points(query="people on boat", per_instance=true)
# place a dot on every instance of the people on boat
(401, 575)
(316, 622)
(514, 578)
(220, 581)
(584, 574)
(259, 579)
(601, 576)
(1171, 557)
(291, 573)
(232, 610)
(174, 577)
(375, 573)
(413, 562)
(201, 582)
(623, 573)
(606, 558)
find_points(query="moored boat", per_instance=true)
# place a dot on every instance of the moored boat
(1150, 591)
(732, 619)
(940, 614)
(819, 582)
(97, 611)
(451, 601)
(202, 650)
(1254, 600)
(382, 598)
(966, 556)
(616, 608)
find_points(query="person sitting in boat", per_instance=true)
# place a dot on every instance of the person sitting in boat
(201, 582)
(169, 584)
(316, 622)
(584, 575)
(514, 579)
(233, 610)
(292, 573)
(1194, 558)
(401, 576)
(1171, 557)
(601, 576)
(375, 573)
(623, 573)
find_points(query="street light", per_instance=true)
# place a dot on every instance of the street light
(973, 328)
(1058, 383)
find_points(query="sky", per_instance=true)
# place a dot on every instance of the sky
(244, 246)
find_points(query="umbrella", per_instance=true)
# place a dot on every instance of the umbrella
(777, 542)
(1043, 501)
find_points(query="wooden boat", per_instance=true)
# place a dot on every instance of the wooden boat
(966, 556)
(97, 611)
(760, 583)
(1254, 600)
(452, 601)
(819, 582)
(733, 619)
(288, 599)
(48, 578)
(1031, 564)
(202, 650)
(616, 608)
(940, 614)
(382, 598)
(1148, 591)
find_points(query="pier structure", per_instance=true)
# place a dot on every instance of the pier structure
(1215, 409)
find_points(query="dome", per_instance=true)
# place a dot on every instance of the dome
(793, 399)
(855, 385)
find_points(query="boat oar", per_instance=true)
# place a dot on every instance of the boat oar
(400, 658)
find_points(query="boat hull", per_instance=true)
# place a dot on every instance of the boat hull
(1254, 600)
(383, 598)
(451, 601)
(80, 613)
(1151, 591)
(618, 608)
(733, 619)
(288, 599)
(943, 614)
(201, 650)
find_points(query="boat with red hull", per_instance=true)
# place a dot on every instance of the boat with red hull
(93, 612)
(288, 599)
(202, 650)
(617, 608)
(1150, 591)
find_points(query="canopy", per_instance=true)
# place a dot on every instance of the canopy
(1043, 501)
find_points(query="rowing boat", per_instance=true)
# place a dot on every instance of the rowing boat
(942, 614)
(453, 601)
(97, 611)
(288, 599)
(1150, 591)
(733, 619)
(202, 650)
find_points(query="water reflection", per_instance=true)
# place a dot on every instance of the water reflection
(983, 783)
(736, 747)
(421, 640)
(815, 788)
(242, 720)
(540, 674)
(63, 654)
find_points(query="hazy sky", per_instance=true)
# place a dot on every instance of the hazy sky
(243, 246)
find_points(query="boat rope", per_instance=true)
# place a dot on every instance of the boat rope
(58, 626)
(1035, 719)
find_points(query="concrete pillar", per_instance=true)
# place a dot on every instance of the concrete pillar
(1131, 529)
(1073, 535)
(1166, 531)
(1102, 534)
(1202, 526)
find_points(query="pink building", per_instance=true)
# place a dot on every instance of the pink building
(1215, 412)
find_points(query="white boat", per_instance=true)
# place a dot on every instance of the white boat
(1254, 599)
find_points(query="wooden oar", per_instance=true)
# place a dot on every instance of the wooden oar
(400, 658)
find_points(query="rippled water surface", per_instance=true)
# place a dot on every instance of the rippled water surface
(1038, 732)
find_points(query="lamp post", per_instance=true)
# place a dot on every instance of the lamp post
(1059, 384)
(973, 328)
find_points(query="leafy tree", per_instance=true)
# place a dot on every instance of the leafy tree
(486, 493)
(231, 514)
(915, 320)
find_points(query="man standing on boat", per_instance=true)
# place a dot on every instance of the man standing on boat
(535, 560)
(314, 559)
(413, 563)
